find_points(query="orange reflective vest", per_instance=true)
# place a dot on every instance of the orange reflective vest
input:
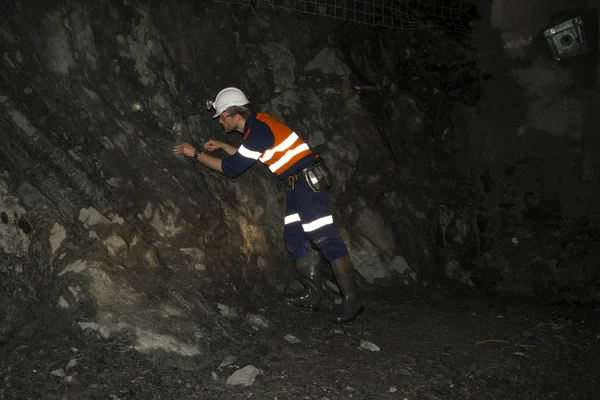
(287, 148)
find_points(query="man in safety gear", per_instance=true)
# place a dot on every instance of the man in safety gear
(308, 215)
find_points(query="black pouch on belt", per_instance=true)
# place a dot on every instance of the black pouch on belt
(318, 176)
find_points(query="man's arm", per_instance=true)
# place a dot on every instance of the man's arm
(188, 150)
(236, 163)
(212, 162)
(213, 145)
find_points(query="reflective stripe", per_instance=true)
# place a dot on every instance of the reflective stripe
(288, 156)
(249, 153)
(321, 222)
(286, 144)
(291, 218)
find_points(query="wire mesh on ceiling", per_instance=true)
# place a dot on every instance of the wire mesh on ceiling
(403, 14)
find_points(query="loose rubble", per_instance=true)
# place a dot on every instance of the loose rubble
(244, 376)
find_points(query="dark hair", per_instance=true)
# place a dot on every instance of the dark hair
(244, 111)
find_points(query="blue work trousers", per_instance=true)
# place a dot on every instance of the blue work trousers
(308, 219)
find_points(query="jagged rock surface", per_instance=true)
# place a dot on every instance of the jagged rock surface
(100, 219)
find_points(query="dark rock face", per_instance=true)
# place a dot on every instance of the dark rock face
(98, 216)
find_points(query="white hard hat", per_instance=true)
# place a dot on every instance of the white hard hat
(226, 98)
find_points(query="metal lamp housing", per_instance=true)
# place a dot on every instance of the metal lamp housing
(567, 39)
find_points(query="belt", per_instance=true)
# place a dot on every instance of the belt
(289, 181)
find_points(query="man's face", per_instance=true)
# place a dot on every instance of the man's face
(228, 121)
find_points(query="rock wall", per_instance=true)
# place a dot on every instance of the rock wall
(447, 168)
(101, 221)
(532, 136)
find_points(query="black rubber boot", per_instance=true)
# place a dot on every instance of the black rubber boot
(352, 305)
(311, 277)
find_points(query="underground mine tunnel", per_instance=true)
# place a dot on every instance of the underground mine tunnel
(461, 139)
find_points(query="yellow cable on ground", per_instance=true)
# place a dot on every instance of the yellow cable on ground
(493, 341)
(554, 324)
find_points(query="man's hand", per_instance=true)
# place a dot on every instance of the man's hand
(212, 162)
(213, 145)
(186, 149)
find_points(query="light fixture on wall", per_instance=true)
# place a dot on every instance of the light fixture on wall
(567, 39)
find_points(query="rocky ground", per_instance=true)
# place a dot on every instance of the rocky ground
(418, 347)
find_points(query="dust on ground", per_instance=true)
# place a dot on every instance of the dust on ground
(418, 347)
